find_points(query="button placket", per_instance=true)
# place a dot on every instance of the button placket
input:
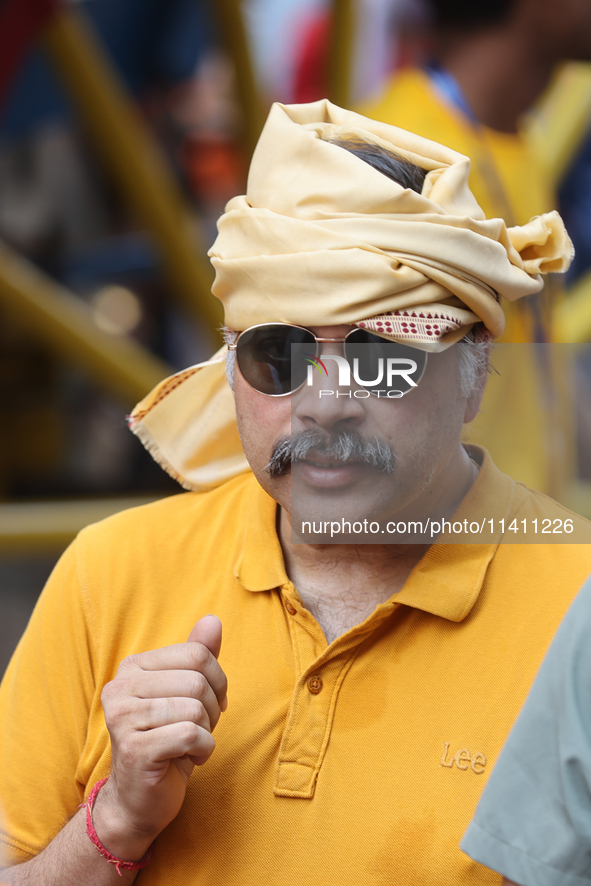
(307, 730)
(319, 675)
(306, 634)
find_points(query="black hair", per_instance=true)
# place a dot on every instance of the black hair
(470, 14)
(390, 164)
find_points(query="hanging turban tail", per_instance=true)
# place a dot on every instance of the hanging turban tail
(321, 238)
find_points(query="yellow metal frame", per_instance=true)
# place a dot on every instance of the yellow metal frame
(133, 158)
(342, 51)
(51, 526)
(64, 322)
(236, 38)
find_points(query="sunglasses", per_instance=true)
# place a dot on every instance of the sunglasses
(277, 359)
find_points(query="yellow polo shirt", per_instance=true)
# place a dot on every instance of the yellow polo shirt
(355, 763)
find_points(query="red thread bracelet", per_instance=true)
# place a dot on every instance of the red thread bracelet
(111, 859)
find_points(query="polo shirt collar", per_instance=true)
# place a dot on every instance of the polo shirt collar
(447, 580)
(260, 565)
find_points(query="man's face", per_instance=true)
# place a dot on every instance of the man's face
(564, 26)
(422, 430)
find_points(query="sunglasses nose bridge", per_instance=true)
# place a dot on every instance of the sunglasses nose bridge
(330, 346)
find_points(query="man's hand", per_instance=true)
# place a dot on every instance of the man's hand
(160, 710)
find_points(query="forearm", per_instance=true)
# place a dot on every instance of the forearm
(71, 859)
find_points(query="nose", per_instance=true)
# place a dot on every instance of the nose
(325, 403)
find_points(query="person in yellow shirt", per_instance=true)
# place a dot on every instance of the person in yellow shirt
(491, 61)
(367, 680)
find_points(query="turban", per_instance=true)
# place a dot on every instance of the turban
(321, 238)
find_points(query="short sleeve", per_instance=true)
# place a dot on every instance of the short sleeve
(533, 821)
(44, 702)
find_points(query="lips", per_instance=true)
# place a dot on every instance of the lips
(331, 465)
(324, 471)
(319, 460)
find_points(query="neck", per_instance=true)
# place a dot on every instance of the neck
(501, 71)
(341, 585)
(326, 564)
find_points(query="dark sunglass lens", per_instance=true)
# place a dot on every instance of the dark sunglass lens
(385, 368)
(265, 356)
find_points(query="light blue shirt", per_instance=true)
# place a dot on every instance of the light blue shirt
(533, 821)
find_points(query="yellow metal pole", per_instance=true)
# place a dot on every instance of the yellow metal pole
(64, 322)
(236, 40)
(342, 49)
(132, 156)
(561, 120)
(51, 526)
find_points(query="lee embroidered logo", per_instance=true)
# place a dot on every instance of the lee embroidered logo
(463, 759)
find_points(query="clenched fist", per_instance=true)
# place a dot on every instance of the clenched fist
(160, 710)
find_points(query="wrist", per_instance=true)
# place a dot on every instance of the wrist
(112, 826)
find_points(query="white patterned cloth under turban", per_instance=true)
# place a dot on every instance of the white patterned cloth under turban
(321, 238)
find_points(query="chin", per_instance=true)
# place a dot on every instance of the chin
(331, 505)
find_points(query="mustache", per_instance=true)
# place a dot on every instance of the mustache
(343, 444)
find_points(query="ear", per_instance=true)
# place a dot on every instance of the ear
(474, 400)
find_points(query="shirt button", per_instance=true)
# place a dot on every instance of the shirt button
(314, 684)
(290, 608)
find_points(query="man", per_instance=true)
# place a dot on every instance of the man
(490, 62)
(369, 691)
(532, 823)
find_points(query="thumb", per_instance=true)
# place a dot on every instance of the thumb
(208, 631)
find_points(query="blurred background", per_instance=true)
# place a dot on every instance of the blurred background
(126, 125)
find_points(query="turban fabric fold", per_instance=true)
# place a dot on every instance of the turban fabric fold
(321, 238)
(321, 235)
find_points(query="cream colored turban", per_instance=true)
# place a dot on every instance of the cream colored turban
(322, 238)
